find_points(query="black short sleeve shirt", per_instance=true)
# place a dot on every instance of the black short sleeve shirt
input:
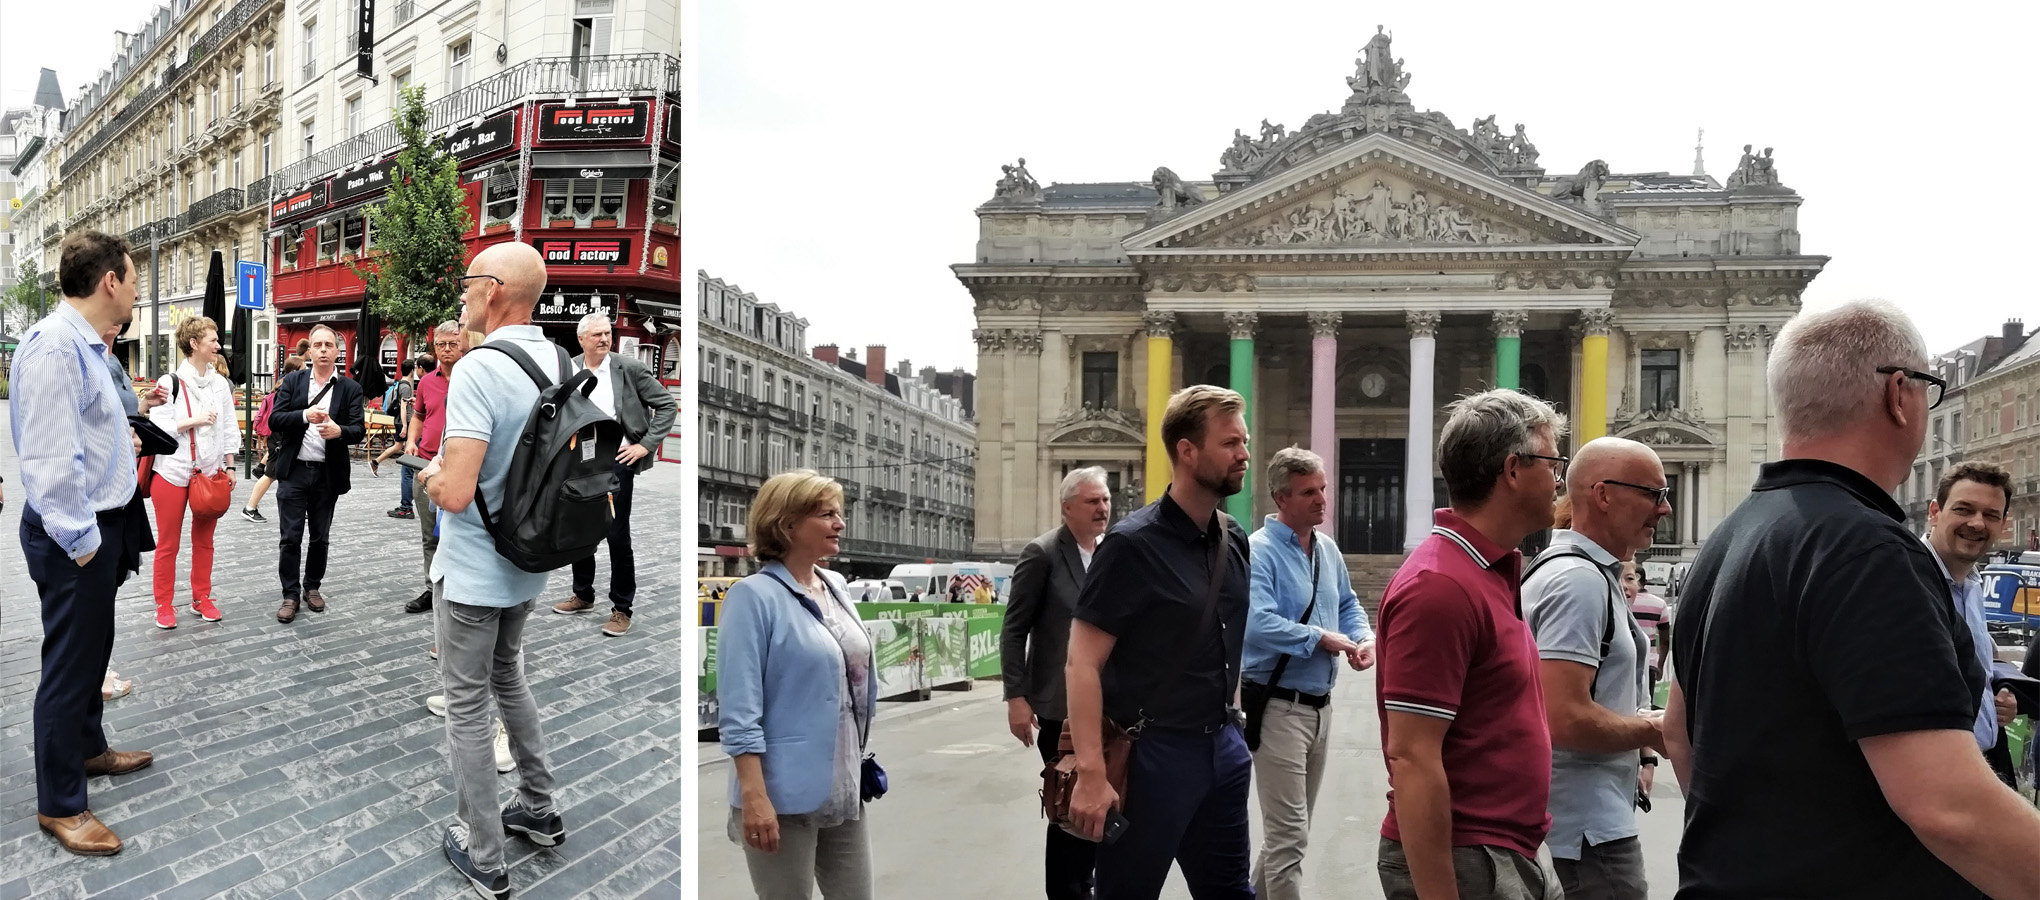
(1146, 588)
(1813, 619)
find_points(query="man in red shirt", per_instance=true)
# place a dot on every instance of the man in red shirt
(428, 422)
(1462, 711)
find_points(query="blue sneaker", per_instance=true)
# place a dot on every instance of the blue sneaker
(492, 885)
(546, 831)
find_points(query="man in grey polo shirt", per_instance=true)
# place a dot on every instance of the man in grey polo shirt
(1594, 668)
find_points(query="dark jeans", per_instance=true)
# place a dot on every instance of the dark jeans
(304, 497)
(1608, 871)
(1070, 859)
(1186, 802)
(77, 620)
(622, 563)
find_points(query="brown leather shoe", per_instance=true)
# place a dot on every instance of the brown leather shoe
(81, 834)
(315, 601)
(119, 762)
(288, 610)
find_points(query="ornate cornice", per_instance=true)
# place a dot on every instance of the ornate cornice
(1025, 340)
(989, 340)
(1743, 337)
(1240, 326)
(1324, 324)
(1198, 282)
(1597, 322)
(1508, 323)
(1159, 323)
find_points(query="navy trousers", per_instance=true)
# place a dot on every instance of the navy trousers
(1186, 803)
(1070, 859)
(622, 562)
(77, 617)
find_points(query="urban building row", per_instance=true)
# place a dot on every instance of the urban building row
(1990, 412)
(901, 442)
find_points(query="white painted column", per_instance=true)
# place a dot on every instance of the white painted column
(1423, 325)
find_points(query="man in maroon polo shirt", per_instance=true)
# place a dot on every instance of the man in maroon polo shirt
(1462, 713)
(428, 423)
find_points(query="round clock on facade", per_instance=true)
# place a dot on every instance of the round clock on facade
(1373, 385)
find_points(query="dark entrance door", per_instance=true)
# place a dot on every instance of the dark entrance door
(1371, 496)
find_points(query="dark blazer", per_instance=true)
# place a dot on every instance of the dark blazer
(1035, 640)
(644, 407)
(288, 428)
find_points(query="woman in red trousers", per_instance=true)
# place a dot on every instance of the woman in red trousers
(200, 412)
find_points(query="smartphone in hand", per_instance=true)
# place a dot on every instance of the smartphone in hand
(1115, 825)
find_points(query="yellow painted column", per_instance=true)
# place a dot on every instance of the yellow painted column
(1160, 359)
(1592, 421)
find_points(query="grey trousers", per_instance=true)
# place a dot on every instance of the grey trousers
(428, 517)
(1609, 871)
(1482, 873)
(838, 859)
(481, 654)
(1295, 743)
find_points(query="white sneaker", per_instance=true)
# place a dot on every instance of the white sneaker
(437, 705)
(504, 762)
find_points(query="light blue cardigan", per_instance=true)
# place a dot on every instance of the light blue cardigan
(780, 681)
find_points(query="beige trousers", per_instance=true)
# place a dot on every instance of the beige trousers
(1295, 742)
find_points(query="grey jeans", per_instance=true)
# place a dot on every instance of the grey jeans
(481, 653)
(1608, 871)
(1482, 873)
(837, 858)
(428, 517)
(1295, 743)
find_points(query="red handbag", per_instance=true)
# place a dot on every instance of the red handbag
(208, 495)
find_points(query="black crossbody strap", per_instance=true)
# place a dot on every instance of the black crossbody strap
(1551, 553)
(1221, 565)
(1282, 662)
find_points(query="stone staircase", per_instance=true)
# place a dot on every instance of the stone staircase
(1370, 574)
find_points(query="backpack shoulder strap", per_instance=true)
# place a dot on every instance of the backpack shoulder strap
(523, 361)
(1608, 615)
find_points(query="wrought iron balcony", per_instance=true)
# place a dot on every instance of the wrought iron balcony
(213, 207)
(242, 13)
(258, 192)
(51, 230)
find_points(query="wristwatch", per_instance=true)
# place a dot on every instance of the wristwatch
(1650, 759)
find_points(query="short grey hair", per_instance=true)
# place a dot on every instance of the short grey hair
(1079, 477)
(1288, 463)
(588, 322)
(1823, 369)
(1483, 432)
(448, 327)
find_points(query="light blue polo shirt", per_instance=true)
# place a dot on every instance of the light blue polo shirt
(489, 399)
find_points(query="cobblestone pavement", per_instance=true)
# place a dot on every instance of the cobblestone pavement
(298, 761)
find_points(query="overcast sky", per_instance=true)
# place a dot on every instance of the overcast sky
(838, 153)
(35, 35)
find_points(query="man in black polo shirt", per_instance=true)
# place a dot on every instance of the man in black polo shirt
(1142, 653)
(1820, 720)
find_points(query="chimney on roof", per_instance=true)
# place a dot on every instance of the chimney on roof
(927, 376)
(874, 364)
(2015, 335)
(826, 353)
(905, 370)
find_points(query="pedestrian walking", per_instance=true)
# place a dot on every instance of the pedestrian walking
(1155, 651)
(77, 458)
(483, 600)
(1821, 715)
(1034, 643)
(1964, 520)
(201, 416)
(1303, 619)
(797, 684)
(1649, 611)
(316, 417)
(398, 402)
(1594, 666)
(1462, 721)
(422, 437)
(631, 395)
(263, 478)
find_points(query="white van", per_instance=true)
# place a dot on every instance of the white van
(872, 590)
(930, 581)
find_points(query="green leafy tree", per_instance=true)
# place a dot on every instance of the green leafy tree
(412, 274)
(19, 303)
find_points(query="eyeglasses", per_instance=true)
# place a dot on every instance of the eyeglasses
(1661, 495)
(447, 345)
(1936, 386)
(1558, 463)
(464, 279)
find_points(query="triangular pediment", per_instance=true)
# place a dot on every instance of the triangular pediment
(1380, 193)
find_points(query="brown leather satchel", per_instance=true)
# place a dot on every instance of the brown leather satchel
(1059, 778)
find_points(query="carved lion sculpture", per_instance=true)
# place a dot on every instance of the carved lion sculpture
(1174, 191)
(1581, 188)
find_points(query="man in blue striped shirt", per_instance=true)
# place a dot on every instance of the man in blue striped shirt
(77, 474)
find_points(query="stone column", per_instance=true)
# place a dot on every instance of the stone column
(993, 408)
(1689, 497)
(1423, 325)
(1160, 355)
(1240, 327)
(1507, 325)
(1324, 375)
(1592, 421)
(1024, 351)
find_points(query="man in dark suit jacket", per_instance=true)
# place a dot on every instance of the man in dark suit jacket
(1035, 640)
(629, 393)
(316, 415)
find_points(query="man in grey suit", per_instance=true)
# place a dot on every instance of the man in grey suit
(629, 393)
(1035, 641)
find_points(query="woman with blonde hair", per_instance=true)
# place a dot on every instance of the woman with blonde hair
(791, 636)
(201, 416)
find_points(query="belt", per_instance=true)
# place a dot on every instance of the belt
(1315, 701)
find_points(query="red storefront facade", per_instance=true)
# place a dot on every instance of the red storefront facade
(593, 185)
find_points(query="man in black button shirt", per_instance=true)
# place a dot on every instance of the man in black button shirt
(1820, 720)
(1136, 655)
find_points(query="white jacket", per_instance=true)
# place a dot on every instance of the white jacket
(198, 393)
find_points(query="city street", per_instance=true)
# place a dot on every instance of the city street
(963, 808)
(299, 761)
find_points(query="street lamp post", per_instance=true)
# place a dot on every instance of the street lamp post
(155, 298)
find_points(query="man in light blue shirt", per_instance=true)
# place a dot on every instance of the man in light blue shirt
(77, 457)
(1302, 615)
(482, 599)
(1964, 520)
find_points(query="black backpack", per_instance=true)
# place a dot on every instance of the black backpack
(556, 507)
(1551, 553)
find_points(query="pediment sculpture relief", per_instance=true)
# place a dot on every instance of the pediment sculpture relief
(1369, 211)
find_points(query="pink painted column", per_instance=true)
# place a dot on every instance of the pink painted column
(1324, 376)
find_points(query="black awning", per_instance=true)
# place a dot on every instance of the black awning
(550, 164)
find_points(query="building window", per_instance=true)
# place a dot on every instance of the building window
(1938, 443)
(1101, 380)
(666, 198)
(311, 49)
(354, 114)
(268, 64)
(1955, 425)
(353, 231)
(353, 32)
(237, 88)
(458, 58)
(585, 200)
(265, 157)
(215, 110)
(500, 197)
(308, 139)
(1660, 379)
(329, 240)
(398, 83)
(744, 380)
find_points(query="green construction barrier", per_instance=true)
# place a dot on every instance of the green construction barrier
(870, 611)
(945, 652)
(982, 633)
(707, 709)
(897, 646)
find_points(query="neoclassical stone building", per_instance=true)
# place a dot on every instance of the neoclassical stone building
(1350, 278)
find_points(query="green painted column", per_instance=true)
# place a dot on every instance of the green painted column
(1508, 327)
(1241, 326)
